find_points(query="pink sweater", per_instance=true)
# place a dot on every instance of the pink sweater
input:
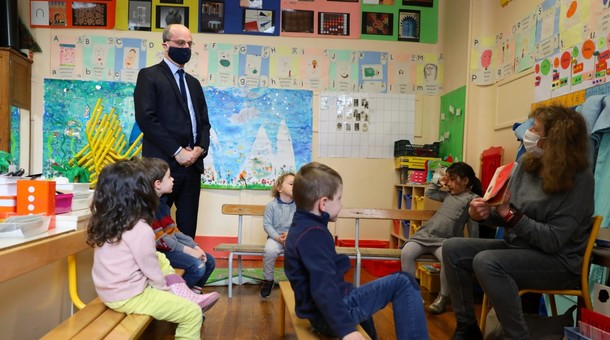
(123, 270)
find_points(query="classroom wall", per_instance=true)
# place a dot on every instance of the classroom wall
(367, 182)
(483, 102)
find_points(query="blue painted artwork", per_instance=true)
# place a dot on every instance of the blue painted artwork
(256, 134)
(15, 136)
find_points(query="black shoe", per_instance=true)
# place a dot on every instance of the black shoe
(266, 288)
(472, 332)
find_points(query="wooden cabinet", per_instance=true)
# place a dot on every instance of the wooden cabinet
(15, 89)
(409, 196)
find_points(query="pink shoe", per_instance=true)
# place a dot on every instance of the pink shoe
(178, 286)
(209, 300)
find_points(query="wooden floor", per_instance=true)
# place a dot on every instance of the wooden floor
(248, 316)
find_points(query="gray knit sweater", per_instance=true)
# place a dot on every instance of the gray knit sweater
(553, 223)
(278, 217)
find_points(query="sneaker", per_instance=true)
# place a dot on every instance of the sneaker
(472, 332)
(208, 301)
(438, 306)
(197, 290)
(266, 288)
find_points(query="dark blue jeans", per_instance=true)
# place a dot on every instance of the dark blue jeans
(402, 291)
(196, 273)
(502, 271)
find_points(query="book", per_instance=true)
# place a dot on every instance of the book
(494, 195)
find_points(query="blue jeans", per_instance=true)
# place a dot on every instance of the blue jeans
(195, 272)
(502, 270)
(402, 291)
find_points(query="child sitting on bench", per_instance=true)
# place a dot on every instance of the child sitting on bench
(316, 272)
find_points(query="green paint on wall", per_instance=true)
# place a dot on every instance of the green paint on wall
(375, 18)
(451, 126)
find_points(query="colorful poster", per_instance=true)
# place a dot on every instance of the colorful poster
(314, 69)
(547, 29)
(98, 57)
(482, 64)
(256, 135)
(429, 74)
(254, 66)
(284, 70)
(130, 58)
(343, 70)
(373, 71)
(401, 73)
(505, 51)
(525, 43)
(67, 56)
(223, 65)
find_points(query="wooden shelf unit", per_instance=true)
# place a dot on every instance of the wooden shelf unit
(15, 89)
(409, 196)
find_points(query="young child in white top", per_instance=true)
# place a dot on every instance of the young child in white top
(277, 220)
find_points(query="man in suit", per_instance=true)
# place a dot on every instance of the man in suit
(172, 113)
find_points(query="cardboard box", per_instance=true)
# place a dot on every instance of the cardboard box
(35, 197)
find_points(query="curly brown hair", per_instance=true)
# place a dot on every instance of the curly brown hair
(566, 148)
(123, 196)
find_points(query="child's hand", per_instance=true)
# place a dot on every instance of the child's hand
(354, 336)
(203, 256)
(282, 238)
(194, 252)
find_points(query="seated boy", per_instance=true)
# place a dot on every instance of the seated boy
(316, 272)
(181, 250)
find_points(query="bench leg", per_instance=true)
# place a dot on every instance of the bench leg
(230, 284)
(282, 315)
(239, 280)
(357, 270)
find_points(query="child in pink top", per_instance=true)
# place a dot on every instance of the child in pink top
(126, 270)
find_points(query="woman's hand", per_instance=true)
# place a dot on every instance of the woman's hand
(479, 209)
(503, 208)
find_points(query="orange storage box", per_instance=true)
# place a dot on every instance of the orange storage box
(8, 204)
(35, 197)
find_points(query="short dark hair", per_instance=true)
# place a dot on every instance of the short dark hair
(314, 181)
(155, 168)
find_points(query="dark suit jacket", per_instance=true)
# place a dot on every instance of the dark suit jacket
(163, 116)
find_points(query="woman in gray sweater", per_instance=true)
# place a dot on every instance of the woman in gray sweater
(547, 220)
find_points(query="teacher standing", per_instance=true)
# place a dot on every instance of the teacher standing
(172, 113)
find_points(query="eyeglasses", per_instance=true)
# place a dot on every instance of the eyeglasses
(182, 43)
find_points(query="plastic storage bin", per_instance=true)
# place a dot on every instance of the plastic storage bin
(381, 267)
(428, 280)
(63, 203)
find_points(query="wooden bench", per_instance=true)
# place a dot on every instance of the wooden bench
(97, 321)
(356, 252)
(302, 328)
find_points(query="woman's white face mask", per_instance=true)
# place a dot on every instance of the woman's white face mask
(530, 142)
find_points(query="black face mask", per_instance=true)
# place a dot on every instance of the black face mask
(179, 55)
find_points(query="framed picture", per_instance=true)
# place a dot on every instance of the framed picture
(420, 3)
(409, 25)
(89, 14)
(139, 15)
(297, 21)
(212, 17)
(377, 23)
(333, 23)
(258, 20)
(172, 15)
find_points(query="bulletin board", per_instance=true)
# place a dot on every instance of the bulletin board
(73, 14)
(156, 14)
(451, 127)
(321, 18)
(388, 20)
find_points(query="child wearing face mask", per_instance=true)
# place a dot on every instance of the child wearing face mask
(457, 188)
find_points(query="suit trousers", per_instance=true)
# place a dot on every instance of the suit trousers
(185, 195)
